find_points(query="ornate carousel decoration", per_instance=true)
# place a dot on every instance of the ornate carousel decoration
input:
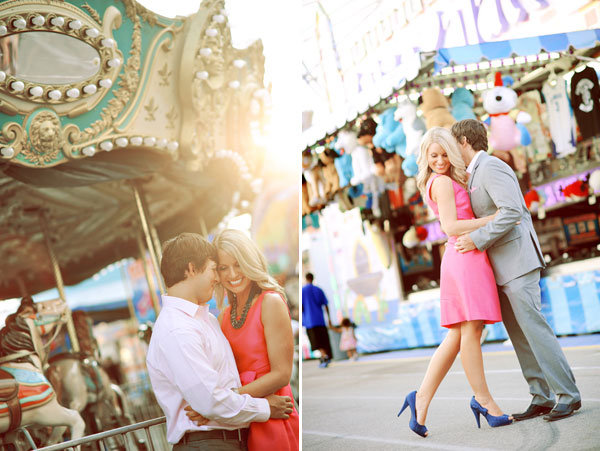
(120, 78)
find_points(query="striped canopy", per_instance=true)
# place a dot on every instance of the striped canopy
(516, 47)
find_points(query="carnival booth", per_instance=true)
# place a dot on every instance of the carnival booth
(119, 129)
(554, 109)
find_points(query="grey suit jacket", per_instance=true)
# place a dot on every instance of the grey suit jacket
(513, 249)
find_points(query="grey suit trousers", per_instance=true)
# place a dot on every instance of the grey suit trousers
(541, 358)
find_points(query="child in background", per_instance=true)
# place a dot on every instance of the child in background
(348, 339)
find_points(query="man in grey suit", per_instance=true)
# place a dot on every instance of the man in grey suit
(516, 258)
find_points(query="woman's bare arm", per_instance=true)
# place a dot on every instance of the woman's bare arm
(442, 193)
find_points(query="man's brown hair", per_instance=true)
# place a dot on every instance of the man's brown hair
(474, 131)
(183, 249)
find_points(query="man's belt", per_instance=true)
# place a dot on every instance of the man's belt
(216, 434)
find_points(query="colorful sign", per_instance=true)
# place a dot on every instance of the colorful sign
(359, 56)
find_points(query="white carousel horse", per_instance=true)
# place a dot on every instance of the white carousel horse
(83, 385)
(28, 398)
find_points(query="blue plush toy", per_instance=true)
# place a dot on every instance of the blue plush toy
(409, 166)
(386, 126)
(396, 141)
(462, 104)
(344, 144)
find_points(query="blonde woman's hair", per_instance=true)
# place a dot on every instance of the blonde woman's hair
(444, 138)
(253, 263)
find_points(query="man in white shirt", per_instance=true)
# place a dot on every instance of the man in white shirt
(190, 361)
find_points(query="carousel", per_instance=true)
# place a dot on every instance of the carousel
(120, 128)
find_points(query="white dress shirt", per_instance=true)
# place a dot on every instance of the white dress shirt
(472, 163)
(190, 362)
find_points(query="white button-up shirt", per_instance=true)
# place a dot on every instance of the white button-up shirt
(473, 161)
(190, 362)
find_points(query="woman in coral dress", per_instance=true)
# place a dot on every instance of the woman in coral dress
(257, 325)
(468, 293)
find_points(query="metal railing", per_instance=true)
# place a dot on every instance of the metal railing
(153, 442)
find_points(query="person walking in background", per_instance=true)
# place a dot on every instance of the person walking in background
(348, 341)
(516, 258)
(313, 301)
(468, 295)
(190, 362)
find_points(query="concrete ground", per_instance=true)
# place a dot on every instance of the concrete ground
(353, 405)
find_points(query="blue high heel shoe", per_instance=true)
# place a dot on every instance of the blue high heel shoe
(493, 421)
(411, 400)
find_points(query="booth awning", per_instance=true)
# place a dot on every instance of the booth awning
(515, 47)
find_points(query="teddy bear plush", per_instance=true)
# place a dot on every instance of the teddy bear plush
(305, 207)
(462, 104)
(531, 103)
(499, 102)
(332, 180)
(436, 110)
(314, 179)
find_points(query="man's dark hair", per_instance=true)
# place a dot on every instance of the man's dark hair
(367, 127)
(183, 249)
(309, 277)
(474, 132)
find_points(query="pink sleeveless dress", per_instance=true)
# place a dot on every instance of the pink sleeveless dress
(467, 287)
(250, 352)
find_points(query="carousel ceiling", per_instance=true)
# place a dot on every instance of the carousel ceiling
(97, 95)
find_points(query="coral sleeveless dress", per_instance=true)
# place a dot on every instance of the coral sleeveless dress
(467, 286)
(250, 352)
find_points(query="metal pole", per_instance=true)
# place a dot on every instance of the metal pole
(129, 290)
(59, 282)
(149, 277)
(22, 287)
(203, 228)
(156, 240)
(146, 226)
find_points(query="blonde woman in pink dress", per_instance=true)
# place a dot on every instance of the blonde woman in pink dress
(468, 294)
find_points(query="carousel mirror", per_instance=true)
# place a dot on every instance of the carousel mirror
(47, 57)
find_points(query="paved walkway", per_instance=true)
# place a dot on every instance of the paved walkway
(353, 405)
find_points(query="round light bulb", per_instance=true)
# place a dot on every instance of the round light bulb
(73, 93)
(3, 30)
(212, 32)
(105, 83)
(38, 20)
(92, 32)
(173, 146)
(90, 89)
(2, 75)
(108, 42)
(161, 143)
(8, 152)
(202, 75)
(57, 21)
(17, 86)
(234, 84)
(136, 141)
(122, 141)
(149, 141)
(36, 91)
(19, 23)
(75, 24)
(206, 51)
(219, 18)
(55, 94)
(114, 62)
(239, 63)
(89, 151)
(106, 146)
